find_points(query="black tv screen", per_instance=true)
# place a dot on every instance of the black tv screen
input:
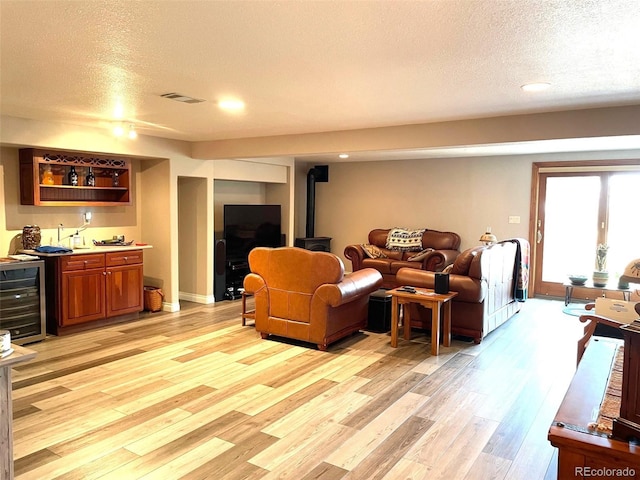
(249, 226)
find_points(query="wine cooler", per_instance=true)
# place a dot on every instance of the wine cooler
(22, 301)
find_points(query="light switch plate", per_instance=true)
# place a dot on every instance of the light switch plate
(514, 219)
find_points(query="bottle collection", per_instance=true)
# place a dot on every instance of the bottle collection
(91, 179)
(73, 179)
(47, 176)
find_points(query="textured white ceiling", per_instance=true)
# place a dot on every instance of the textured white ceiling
(312, 66)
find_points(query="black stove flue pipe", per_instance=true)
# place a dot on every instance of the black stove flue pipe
(319, 173)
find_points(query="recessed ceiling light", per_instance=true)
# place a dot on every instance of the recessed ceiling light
(118, 129)
(535, 87)
(231, 104)
(344, 155)
(133, 134)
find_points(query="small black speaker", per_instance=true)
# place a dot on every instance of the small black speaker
(321, 173)
(379, 312)
(220, 270)
(441, 283)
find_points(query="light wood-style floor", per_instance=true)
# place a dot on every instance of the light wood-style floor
(196, 395)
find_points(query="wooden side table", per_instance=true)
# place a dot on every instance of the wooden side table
(19, 355)
(429, 299)
(251, 314)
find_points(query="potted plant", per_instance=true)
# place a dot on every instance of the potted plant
(600, 275)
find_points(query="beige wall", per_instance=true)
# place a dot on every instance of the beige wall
(154, 219)
(192, 224)
(185, 174)
(463, 195)
(300, 189)
(283, 194)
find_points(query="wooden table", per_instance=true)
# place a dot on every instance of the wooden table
(429, 299)
(19, 355)
(247, 314)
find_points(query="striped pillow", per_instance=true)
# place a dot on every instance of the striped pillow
(403, 240)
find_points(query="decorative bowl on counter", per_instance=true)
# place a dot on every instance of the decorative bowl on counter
(578, 279)
(112, 243)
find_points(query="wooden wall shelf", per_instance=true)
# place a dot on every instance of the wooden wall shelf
(34, 162)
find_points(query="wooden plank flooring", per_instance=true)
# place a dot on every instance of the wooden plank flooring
(195, 395)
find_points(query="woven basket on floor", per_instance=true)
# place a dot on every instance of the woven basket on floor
(153, 299)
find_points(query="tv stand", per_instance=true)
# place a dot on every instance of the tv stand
(236, 270)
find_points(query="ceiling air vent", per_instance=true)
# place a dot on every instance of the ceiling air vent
(178, 97)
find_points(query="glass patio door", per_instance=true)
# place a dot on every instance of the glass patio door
(567, 232)
(623, 232)
(576, 213)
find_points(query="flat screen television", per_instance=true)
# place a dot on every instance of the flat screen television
(249, 226)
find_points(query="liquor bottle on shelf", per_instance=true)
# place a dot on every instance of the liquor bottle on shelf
(47, 176)
(91, 178)
(73, 177)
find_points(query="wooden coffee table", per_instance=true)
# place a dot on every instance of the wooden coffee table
(429, 299)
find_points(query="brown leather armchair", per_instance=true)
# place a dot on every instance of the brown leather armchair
(305, 295)
(486, 279)
(445, 247)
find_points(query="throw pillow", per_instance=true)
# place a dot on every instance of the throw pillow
(404, 240)
(420, 256)
(372, 251)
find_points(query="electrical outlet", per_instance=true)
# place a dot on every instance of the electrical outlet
(514, 219)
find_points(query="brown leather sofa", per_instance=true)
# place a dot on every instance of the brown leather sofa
(445, 247)
(487, 281)
(305, 295)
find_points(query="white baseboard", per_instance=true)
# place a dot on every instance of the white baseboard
(170, 307)
(192, 297)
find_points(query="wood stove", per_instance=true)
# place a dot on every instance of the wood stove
(317, 244)
(319, 173)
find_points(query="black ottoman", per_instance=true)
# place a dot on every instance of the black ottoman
(379, 318)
